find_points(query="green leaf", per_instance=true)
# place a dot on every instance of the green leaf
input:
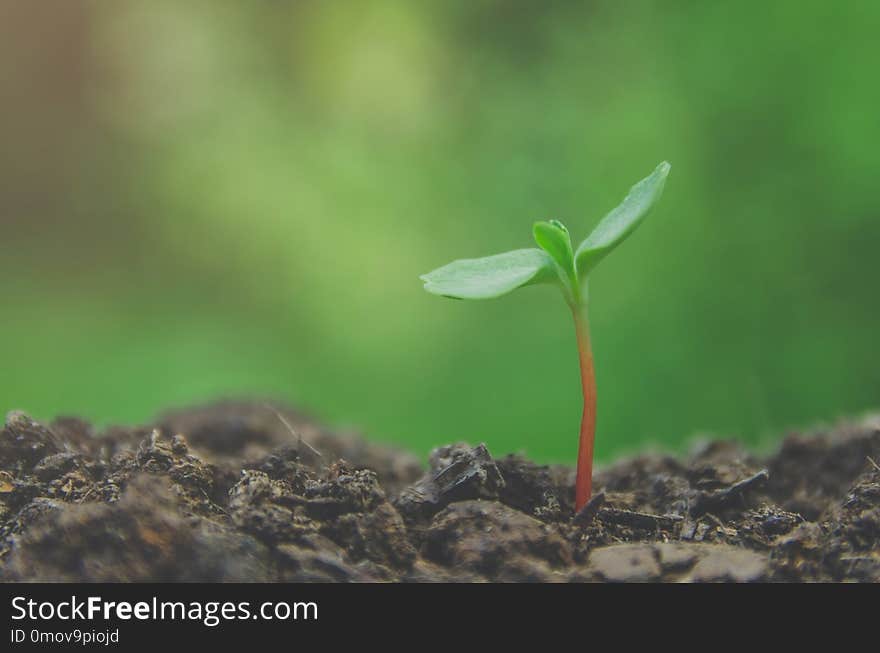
(621, 221)
(492, 276)
(553, 238)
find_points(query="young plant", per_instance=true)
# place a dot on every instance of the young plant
(556, 262)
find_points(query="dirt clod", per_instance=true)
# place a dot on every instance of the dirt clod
(456, 473)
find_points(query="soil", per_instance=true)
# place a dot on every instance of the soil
(229, 492)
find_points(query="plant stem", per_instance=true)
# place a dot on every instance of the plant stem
(584, 477)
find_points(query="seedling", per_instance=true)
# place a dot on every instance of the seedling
(556, 262)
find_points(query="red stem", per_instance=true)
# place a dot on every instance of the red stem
(584, 478)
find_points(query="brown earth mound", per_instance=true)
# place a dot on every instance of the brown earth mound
(231, 493)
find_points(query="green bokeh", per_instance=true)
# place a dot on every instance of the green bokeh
(216, 199)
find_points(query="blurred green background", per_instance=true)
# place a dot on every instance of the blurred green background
(208, 199)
